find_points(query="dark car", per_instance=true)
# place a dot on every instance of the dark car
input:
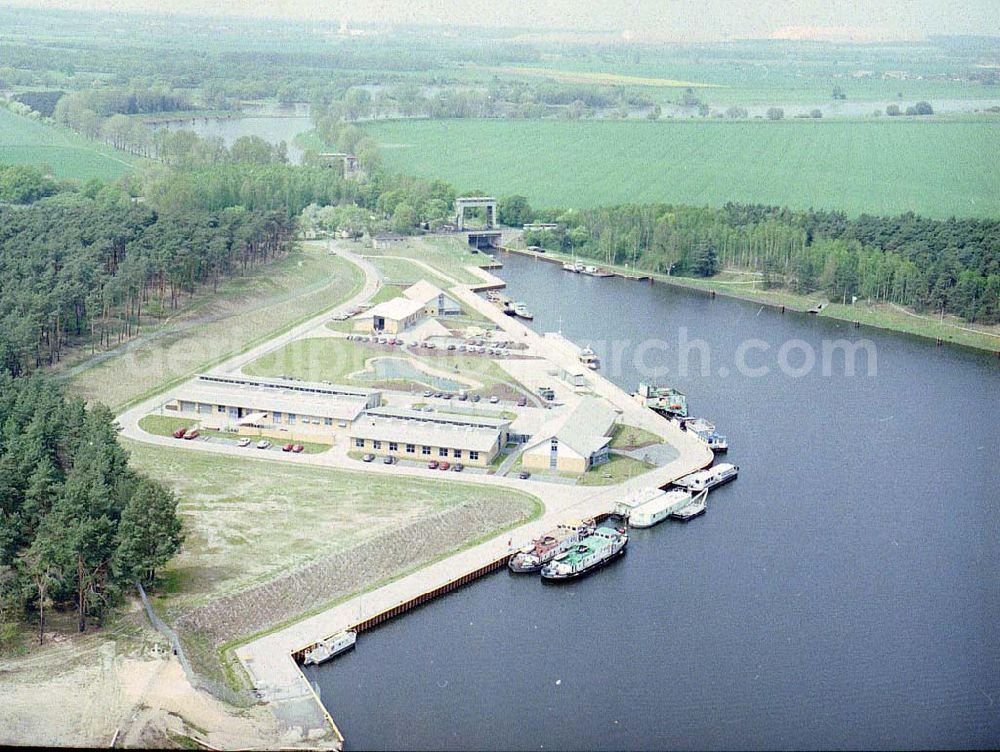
(521, 401)
(524, 475)
(476, 398)
(432, 465)
(458, 467)
(388, 460)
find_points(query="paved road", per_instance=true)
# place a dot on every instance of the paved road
(268, 659)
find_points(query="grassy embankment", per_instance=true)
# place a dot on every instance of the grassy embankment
(68, 154)
(938, 168)
(745, 286)
(211, 328)
(253, 528)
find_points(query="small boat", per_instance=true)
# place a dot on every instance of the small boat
(576, 267)
(710, 478)
(594, 271)
(657, 510)
(543, 549)
(707, 433)
(589, 358)
(520, 309)
(592, 553)
(326, 649)
(697, 506)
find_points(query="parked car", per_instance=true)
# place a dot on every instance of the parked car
(476, 398)
(438, 394)
(298, 449)
(389, 459)
(428, 409)
(432, 465)
(451, 347)
(191, 433)
(428, 393)
(368, 458)
(443, 466)
(494, 399)
(243, 442)
(524, 475)
(458, 467)
(179, 433)
(521, 401)
(263, 444)
(445, 396)
(461, 348)
(287, 447)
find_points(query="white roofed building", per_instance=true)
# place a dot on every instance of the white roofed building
(575, 441)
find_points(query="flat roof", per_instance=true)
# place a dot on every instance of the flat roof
(288, 385)
(439, 417)
(425, 434)
(266, 399)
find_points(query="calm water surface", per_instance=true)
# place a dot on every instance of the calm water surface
(843, 592)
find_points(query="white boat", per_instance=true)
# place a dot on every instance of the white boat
(657, 510)
(520, 309)
(705, 431)
(326, 649)
(710, 478)
(697, 506)
(589, 358)
(576, 267)
(624, 507)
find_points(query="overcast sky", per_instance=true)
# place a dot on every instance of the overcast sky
(665, 19)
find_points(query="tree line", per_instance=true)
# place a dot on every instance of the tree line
(947, 266)
(94, 265)
(77, 525)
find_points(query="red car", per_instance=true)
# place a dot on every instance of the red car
(287, 448)
(298, 448)
(443, 466)
(179, 433)
(432, 465)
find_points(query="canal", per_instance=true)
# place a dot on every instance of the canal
(843, 592)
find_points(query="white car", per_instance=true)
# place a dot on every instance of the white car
(243, 442)
(263, 444)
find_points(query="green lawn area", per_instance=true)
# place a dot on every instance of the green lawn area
(210, 328)
(935, 167)
(617, 470)
(632, 437)
(249, 520)
(335, 359)
(69, 155)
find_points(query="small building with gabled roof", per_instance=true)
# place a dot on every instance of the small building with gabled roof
(575, 441)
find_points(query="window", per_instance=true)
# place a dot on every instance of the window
(376, 444)
(393, 446)
(291, 419)
(425, 450)
(276, 416)
(442, 452)
(411, 448)
(327, 421)
(456, 452)
(220, 409)
(359, 443)
(473, 455)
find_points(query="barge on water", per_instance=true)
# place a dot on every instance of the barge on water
(593, 552)
(326, 649)
(710, 478)
(657, 510)
(664, 400)
(543, 549)
(707, 433)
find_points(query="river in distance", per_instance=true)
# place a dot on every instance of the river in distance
(843, 592)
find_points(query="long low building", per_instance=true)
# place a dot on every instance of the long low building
(274, 408)
(415, 435)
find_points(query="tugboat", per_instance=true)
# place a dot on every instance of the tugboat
(593, 552)
(536, 554)
(326, 649)
(664, 400)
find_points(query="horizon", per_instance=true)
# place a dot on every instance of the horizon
(675, 21)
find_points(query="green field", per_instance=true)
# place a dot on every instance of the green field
(935, 167)
(27, 141)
